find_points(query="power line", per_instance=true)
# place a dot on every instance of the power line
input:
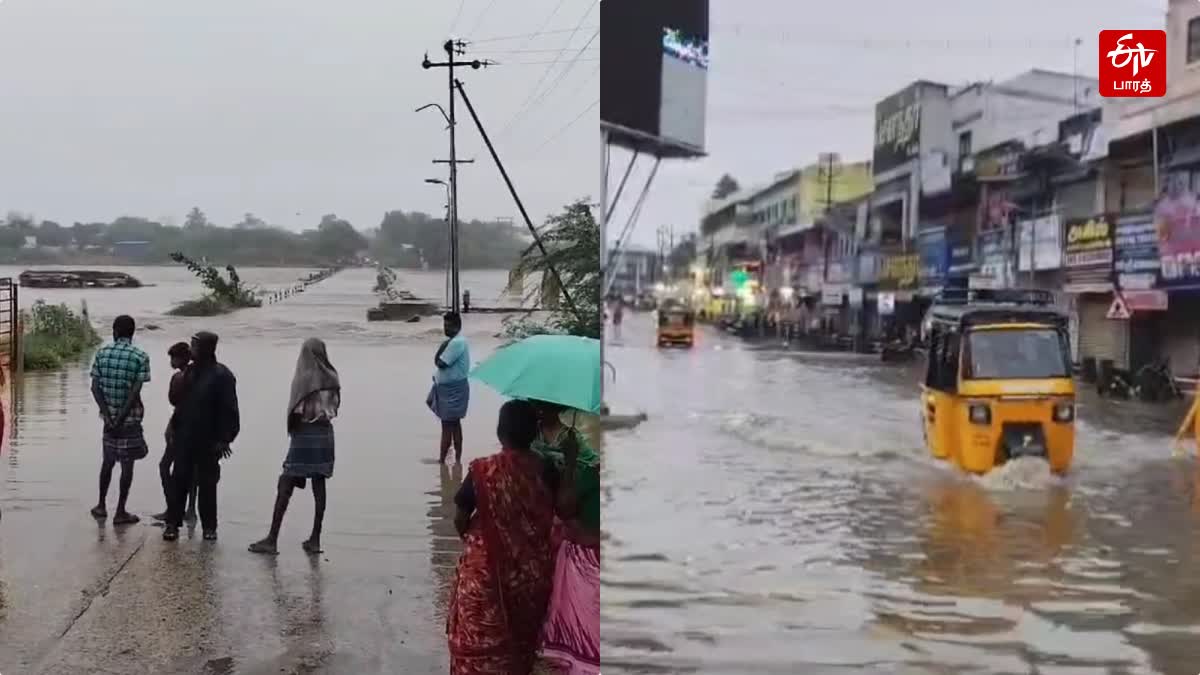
(457, 16)
(544, 23)
(584, 82)
(479, 19)
(563, 73)
(518, 36)
(535, 63)
(532, 92)
(562, 130)
(522, 51)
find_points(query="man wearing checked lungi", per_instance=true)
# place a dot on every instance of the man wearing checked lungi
(118, 373)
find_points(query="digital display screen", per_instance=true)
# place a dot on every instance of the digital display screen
(684, 87)
(685, 48)
(653, 73)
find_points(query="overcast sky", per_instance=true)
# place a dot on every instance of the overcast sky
(793, 78)
(287, 107)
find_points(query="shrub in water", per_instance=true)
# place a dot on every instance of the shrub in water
(54, 334)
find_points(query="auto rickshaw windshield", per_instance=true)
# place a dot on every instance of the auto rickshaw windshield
(675, 318)
(1015, 354)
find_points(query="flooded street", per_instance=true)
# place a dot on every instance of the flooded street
(778, 514)
(76, 598)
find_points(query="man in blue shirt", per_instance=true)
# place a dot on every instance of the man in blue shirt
(118, 373)
(450, 393)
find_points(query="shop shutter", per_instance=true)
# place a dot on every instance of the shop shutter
(1182, 345)
(1099, 336)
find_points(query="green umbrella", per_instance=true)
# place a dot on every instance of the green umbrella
(561, 369)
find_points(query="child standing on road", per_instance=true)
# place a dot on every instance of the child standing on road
(181, 355)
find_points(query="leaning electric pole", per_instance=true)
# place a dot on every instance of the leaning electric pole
(453, 48)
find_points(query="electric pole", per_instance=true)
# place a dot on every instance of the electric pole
(453, 48)
(828, 172)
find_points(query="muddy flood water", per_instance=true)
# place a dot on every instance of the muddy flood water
(77, 598)
(777, 514)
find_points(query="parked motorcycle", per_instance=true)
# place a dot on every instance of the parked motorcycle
(1155, 383)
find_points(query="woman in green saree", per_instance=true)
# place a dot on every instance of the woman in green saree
(571, 635)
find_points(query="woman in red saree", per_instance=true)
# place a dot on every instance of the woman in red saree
(505, 516)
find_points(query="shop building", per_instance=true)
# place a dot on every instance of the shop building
(1154, 167)
(1088, 279)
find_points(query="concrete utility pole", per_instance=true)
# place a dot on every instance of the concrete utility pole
(453, 48)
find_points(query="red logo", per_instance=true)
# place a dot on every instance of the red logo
(1133, 63)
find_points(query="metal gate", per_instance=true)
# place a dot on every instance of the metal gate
(9, 326)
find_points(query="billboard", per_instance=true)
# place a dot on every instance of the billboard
(897, 129)
(1177, 226)
(654, 74)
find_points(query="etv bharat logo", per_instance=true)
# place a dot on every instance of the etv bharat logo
(1133, 63)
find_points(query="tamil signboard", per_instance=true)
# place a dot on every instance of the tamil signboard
(1135, 253)
(831, 295)
(1177, 222)
(897, 129)
(854, 295)
(1041, 244)
(1146, 301)
(899, 271)
(1001, 161)
(1089, 243)
(868, 268)
(934, 253)
(836, 272)
(995, 263)
(962, 252)
(1088, 254)
(886, 303)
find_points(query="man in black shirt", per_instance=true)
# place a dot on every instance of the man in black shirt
(206, 422)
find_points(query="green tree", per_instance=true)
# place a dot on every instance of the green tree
(682, 256)
(50, 233)
(336, 239)
(88, 234)
(20, 221)
(11, 237)
(250, 222)
(726, 186)
(195, 220)
(572, 242)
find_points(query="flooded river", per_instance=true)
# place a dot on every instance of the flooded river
(77, 598)
(777, 514)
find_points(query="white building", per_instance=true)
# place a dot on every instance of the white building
(928, 131)
(1133, 116)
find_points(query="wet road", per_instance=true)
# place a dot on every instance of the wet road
(777, 514)
(75, 597)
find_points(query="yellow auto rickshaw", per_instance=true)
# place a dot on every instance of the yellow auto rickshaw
(998, 382)
(676, 325)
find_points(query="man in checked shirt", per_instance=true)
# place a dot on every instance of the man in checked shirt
(118, 373)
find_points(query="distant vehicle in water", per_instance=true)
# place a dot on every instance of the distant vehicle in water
(676, 324)
(76, 279)
(999, 382)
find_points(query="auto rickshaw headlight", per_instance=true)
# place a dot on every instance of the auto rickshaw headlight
(979, 413)
(1064, 411)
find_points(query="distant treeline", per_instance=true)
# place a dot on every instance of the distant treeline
(400, 240)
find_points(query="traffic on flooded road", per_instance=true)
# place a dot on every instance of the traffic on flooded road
(778, 512)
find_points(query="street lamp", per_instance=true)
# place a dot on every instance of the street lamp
(450, 272)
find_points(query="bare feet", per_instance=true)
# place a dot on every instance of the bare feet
(125, 518)
(264, 546)
(99, 511)
(311, 546)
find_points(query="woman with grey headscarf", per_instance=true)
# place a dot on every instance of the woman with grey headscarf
(316, 396)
